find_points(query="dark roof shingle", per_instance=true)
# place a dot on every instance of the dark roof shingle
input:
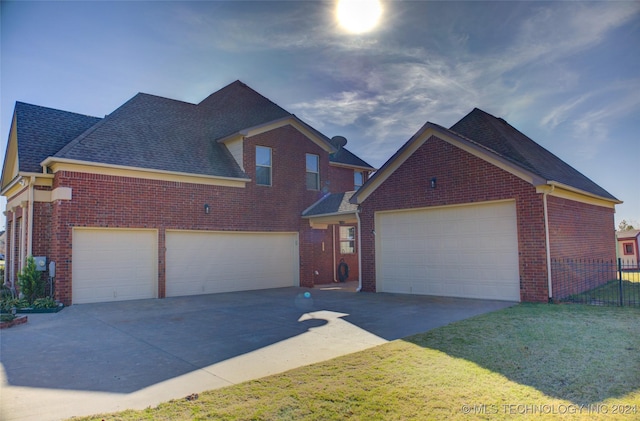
(505, 140)
(164, 134)
(331, 204)
(44, 131)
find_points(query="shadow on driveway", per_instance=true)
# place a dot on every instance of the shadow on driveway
(123, 347)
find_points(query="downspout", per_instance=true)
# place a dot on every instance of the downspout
(32, 183)
(12, 266)
(359, 252)
(548, 242)
(333, 250)
(23, 233)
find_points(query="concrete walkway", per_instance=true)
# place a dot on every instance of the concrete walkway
(96, 358)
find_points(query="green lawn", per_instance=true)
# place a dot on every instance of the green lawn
(609, 293)
(579, 361)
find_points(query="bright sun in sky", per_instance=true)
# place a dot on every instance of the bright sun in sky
(358, 16)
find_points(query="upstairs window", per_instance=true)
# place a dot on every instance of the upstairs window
(358, 179)
(347, 240)
(313, 172)
(263, 166)
(628, 249)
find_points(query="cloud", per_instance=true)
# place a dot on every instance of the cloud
(592, 126)
(400, 87)
(560, 113)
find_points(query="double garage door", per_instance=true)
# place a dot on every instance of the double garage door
(459, 251)
(122, 264)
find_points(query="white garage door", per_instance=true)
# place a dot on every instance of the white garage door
(114, 265)
(461, 251)
(204, 262)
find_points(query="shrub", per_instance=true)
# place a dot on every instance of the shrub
(5, 292)
(6, 304)
(47, 302)
(7, 317)
(30, 281)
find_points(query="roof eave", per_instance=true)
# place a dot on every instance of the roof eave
(324, 215)
(55, 160)
(554, 184)
(351, 166)
(292, 120)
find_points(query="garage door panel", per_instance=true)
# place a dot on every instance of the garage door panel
(461, 251)
(114, 265)
(203, 262)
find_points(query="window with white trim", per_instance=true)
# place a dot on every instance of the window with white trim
(347, 240)
(263, 165)
(313, 172)
(628, 249)
(358, 179)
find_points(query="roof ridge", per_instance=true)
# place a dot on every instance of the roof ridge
(164, 98)
(78, 140)
(498, 135)
(53, 109)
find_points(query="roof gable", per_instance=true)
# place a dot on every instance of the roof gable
(500, 144)
(499, 136)
(236, 107)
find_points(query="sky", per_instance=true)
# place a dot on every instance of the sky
(566, 74)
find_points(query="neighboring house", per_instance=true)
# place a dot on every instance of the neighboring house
(478, 210)
(166, 198)
(628, 251)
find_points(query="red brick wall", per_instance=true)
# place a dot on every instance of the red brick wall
(110, 201)
(580, 231)
(341, 179)
(461, 178)
(584, 233)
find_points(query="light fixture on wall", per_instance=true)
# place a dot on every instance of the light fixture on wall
(433, 182)
(207, 208)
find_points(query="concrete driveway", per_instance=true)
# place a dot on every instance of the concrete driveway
(95, 358)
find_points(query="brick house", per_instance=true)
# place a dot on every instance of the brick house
(478, 210)
(167, 198)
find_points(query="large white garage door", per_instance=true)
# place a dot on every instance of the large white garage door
(114, 265)
(204, 262)
(461, 251)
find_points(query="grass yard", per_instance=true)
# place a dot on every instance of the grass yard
(574, 361)
(609, 293)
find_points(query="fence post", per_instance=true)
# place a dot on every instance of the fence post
(620, 281)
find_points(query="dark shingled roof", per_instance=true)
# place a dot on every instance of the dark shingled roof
(44, 131)
(344, 156)
(332, 204)
(164, 134)
(499, 136)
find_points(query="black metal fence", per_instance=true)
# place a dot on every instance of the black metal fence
(596, 282)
